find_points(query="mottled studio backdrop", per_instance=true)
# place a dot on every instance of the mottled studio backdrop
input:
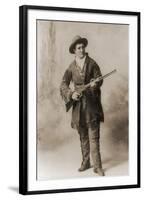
(108, 45)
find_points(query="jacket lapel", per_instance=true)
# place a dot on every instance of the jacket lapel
(85, 69)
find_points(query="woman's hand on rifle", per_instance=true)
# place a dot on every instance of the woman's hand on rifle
(94, 82)
(76, 96)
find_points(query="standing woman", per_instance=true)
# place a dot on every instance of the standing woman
(87, 113)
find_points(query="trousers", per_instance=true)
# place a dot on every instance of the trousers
(90, 145)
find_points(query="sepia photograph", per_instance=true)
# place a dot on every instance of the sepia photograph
(82, 117)
(79, 100)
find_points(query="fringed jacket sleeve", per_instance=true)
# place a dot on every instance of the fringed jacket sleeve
(65, 90)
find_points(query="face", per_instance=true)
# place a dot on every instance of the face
(79, 50)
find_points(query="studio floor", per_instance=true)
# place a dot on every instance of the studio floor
(64, 162)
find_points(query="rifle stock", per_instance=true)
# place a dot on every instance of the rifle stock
(69, 105)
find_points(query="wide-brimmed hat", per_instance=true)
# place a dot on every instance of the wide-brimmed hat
(76, 40)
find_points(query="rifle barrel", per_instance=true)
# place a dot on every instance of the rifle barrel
(102, 77)
(106, 75)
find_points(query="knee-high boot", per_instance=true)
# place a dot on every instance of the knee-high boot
(85, 149)
(95, 149)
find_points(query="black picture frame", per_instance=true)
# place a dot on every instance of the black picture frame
(23, 98)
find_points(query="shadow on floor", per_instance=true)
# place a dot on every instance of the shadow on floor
(14, 189)
(113, 162)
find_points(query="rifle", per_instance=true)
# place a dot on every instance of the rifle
(84, 87)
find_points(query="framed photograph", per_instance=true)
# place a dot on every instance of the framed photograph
(79, 119)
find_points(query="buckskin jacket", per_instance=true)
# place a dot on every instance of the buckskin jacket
(88, 110)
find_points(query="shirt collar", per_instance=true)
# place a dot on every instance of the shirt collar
(80, 59)
(80, 62)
